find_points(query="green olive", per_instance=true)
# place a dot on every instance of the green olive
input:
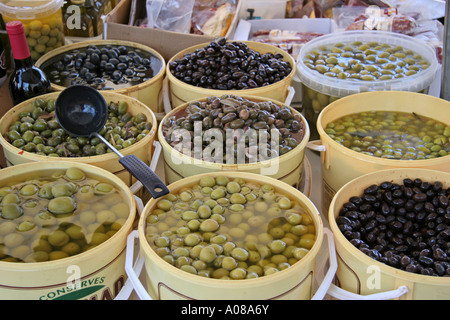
(104, 188)
(62, 190)
(11, 211)
(58, 238)
(75, 174)
(61, 205)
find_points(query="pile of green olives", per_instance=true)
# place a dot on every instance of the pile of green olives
(392, 135)
(56, 215)
(39, 132)
(366, 61)
(230, 228)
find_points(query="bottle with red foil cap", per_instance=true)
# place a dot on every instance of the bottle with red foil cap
(26, 81)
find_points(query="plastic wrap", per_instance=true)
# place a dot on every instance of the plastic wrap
(386, 19)
(406, 19)
(212, 18)
(299, 8)
(170, 15)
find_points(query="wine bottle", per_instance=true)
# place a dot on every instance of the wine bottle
(26, 81)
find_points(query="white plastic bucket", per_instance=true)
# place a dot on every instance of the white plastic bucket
(319, 90)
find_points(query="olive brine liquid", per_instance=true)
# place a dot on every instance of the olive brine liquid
(26, 81)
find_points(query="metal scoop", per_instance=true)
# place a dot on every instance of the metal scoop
(82, 111)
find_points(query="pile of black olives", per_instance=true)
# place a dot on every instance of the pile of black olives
(226, 65)
(102, 67)
(244, 118)
(406, 226)
(39, 132)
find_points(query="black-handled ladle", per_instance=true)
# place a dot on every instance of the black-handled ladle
(82, 111)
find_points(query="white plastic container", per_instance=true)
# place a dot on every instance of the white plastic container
(319, 90)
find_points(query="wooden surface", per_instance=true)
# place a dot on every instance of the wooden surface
(5, 105)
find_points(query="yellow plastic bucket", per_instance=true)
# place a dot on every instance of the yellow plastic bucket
(365, 278)
(181, 92)
(97, 274)
(340, 164)
(167, 282)
(287, 168)
(109, 161)
(148, 92)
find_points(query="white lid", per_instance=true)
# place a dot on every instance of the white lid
(29, 9)
(344, 87)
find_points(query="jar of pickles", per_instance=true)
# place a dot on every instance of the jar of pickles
(42, 21)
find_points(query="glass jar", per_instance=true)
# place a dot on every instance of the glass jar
(81, 26)
(42, 21)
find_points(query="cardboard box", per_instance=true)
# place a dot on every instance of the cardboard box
(319, 25)
(167, 43)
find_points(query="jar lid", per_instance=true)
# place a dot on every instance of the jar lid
(29, 9)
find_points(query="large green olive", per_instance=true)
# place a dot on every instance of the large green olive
(62, 190)
(75, 174)
(61, 205)
(11, 211)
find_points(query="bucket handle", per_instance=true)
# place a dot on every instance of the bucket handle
(133, 272)
(316, 145)
(290, 96)
(128, 287)
(329, 276)
(166, 99)
(155, 158)
(342, 294)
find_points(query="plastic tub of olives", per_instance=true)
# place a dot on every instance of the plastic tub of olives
(124, 67)
(227, 132)
(230, 235)
(401, 130)
(407, 255)
(29, 132)
(228, 66)
(340, 64)
(63, 229)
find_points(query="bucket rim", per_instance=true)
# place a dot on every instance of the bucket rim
(368, 96)
(217, 92)
(355, 252)
(77, 45)
(86, 159)
(343, 87)
(149, 253)
(91, 253)
(230, 167)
